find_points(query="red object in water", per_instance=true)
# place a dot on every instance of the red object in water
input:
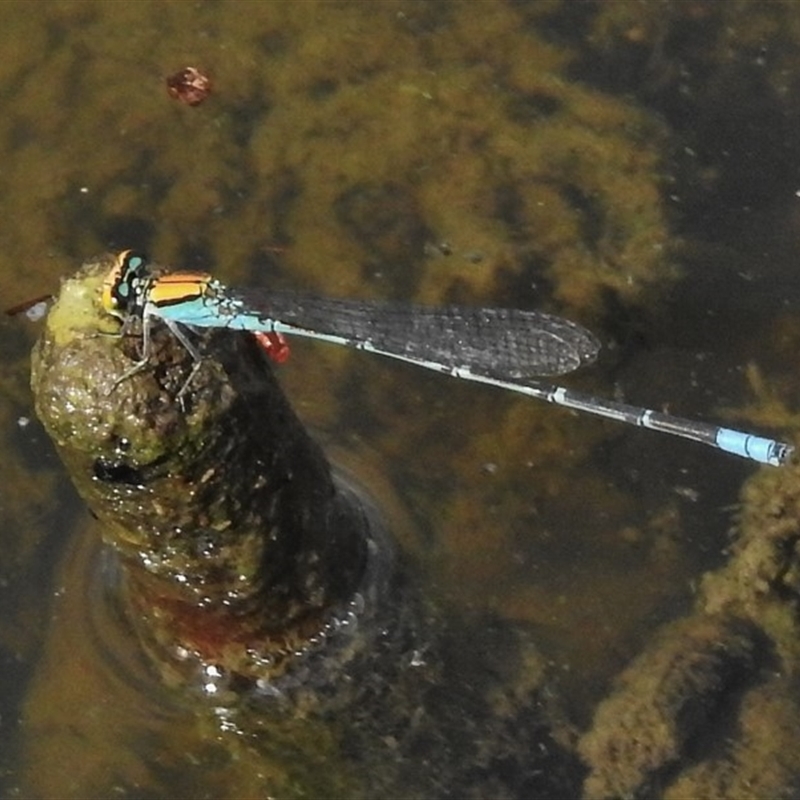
(274, 345)
(189, 85)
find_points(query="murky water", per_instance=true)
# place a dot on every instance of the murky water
(580, 161)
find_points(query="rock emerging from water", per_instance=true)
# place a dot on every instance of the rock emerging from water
(266, 591)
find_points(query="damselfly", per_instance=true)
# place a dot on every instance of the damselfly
(507, 348)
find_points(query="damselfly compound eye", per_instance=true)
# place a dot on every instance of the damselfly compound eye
(123, 284)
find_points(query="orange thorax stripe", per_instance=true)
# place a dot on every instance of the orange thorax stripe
(178, 287)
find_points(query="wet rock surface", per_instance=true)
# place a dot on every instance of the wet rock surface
(267, 589)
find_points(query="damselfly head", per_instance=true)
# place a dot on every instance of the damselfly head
(126, 285)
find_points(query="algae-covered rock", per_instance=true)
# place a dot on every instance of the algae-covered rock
(709, 708)
(661, 702)
(218, 504)
(264, 591)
